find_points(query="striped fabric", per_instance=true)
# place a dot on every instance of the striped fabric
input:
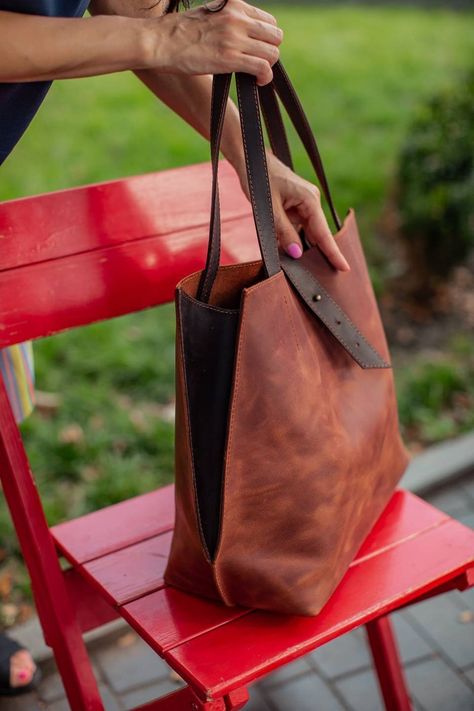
(17, 370)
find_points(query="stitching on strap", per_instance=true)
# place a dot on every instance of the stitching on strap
(343, 316)
(215, 236)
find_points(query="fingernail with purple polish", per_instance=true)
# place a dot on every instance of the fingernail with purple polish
(294, 250)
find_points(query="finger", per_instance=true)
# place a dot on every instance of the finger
(260, 68)
(295, 218)
(265, 32)
(287, 235)
(269, 52)
(317, 231)
(258, 14)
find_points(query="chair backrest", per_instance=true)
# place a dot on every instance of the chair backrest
(76, 256)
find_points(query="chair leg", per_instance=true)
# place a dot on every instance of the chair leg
(76, 672)
(388, 665)
(56, 614)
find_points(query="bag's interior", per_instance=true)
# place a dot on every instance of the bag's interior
(208, 337)
(229, 283)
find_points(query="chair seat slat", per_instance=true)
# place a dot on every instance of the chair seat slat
(166, 618)
(116, 527)
(169, 617)
(243, 650)
(131, 572)
(146, 516)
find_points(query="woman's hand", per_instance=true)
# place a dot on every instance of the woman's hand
(238, 38)
(296, 204)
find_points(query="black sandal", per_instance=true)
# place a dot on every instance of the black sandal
(8, 647)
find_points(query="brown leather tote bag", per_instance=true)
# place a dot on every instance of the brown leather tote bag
(287, 437)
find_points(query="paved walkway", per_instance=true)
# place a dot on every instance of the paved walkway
(436, 639)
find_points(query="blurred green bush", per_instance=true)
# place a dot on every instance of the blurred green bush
(436, 394)
(436, 185)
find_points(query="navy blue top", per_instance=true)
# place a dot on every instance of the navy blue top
(20, 101)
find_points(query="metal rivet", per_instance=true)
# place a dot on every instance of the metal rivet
(338, 322)
(317, 297)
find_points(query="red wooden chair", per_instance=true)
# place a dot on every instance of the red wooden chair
(78, 256)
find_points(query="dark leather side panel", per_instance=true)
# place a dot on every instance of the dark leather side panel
(209, 336)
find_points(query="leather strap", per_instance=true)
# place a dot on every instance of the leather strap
(282, 85)
(220, 96)
(274, 123)
(330, 313)
(257, 173)
(257, 170)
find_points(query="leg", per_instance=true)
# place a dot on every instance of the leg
(18, 672)
(388, 665)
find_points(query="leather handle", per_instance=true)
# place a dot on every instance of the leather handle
(257, 174)
(274, 122)
(220, 96)
(250, 100)
(257, 171)
(284, 88)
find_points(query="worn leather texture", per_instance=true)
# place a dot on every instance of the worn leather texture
(310, 442)
(313, 450)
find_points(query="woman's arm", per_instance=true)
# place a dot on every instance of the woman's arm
(296, 202)
(190, 98)
(239, 38)
(35, 48)
(164, 51)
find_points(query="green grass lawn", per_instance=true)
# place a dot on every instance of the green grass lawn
(361, 73)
